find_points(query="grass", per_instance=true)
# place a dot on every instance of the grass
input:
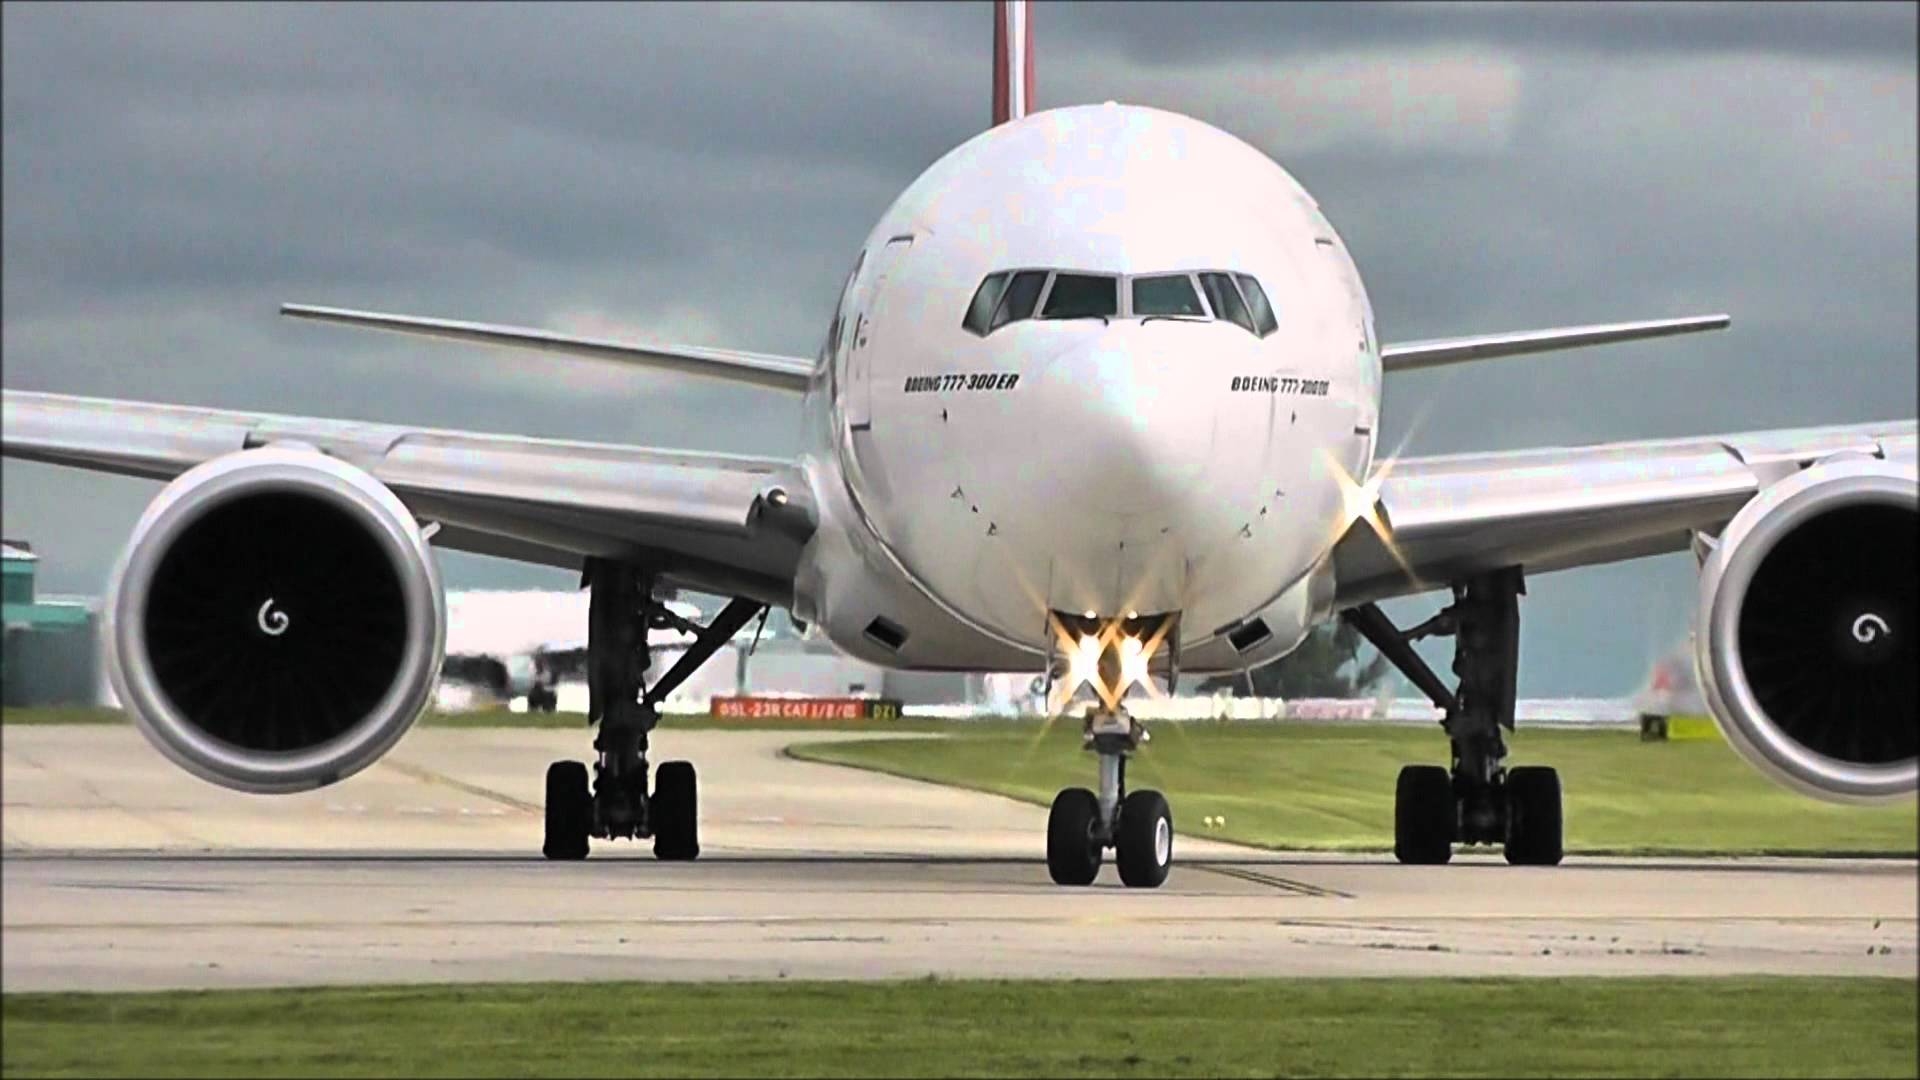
(61, 714)
(1317, 1027)
(1303, 786)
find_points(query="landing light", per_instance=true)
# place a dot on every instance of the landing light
(1083, 666)
(1084, 652)
(1133, 663)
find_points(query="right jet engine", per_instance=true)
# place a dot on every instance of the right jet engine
(1807, 630)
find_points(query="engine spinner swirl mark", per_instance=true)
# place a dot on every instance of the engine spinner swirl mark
(272, 623)
(1868, 628)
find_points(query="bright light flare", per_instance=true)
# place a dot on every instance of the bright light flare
(1083, 663)
(1360, 501)
(1133, 662)
(1083, 655)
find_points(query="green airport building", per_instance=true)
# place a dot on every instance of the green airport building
(50, 655)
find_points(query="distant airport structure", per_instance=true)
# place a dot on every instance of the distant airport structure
(52, 652)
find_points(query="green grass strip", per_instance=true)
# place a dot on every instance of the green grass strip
(1328, 787)
(1292, 1027)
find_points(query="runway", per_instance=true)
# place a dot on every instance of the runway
(121, 872)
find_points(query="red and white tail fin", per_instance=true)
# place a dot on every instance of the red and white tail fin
(1012, 60)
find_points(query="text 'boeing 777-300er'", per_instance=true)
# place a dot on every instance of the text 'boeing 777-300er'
(1055, 427)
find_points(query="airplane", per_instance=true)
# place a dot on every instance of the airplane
(1099, 400)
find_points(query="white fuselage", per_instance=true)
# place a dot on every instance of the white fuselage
(1117, 465)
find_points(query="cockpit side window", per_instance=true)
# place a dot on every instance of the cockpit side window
(980, 312)
(1081, 296)
(1227, 305)
(1023, 292)
(1264, 320)
(1166, 294)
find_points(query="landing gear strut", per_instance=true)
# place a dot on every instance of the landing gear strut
(1479, 800)
(621, 611)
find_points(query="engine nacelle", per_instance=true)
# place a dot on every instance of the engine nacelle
(276, 622)
(1806, 640)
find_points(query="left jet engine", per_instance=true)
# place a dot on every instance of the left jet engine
(276, 622)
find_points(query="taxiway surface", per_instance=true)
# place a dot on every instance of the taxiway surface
(121, 872)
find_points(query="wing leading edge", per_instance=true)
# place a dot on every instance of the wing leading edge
(727, 524)
(789, 373)
(1557, 508)
(1413, 355)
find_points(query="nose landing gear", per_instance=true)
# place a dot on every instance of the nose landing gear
(1137, 825)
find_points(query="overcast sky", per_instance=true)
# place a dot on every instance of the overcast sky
(705, 173)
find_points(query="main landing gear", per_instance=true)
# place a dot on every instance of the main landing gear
(1479, 800)
(1137, 825)
(618, 806)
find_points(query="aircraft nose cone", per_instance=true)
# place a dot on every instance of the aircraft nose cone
(1126, 438)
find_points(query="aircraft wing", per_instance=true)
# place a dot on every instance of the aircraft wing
(1552, 509)
(1414, 355)
(726, 524)
(789, 373)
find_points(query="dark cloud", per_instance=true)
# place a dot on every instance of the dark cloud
(704, 173)
(1157, 34)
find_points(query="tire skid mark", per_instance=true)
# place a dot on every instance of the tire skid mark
(428, 776)
(1275, 881)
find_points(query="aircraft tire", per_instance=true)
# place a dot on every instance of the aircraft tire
(1423, 816)
(1143, 848)
(1534, 819)
(569, 811)
(675, 812)
(1073, 852)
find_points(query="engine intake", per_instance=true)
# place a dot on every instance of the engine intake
(1807, 649)
(276, 623)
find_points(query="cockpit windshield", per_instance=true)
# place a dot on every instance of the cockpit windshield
(1081, 296)
(1166, 294)
(1010, 296)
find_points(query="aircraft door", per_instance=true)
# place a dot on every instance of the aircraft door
(868, 313)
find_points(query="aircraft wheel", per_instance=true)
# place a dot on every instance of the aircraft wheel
(1143, 850)
(1423, 815)
(1534, 835)
(1073, 851)
(675, 812)
(569, 811)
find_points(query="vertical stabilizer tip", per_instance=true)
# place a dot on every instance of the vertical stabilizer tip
(1012, 60)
